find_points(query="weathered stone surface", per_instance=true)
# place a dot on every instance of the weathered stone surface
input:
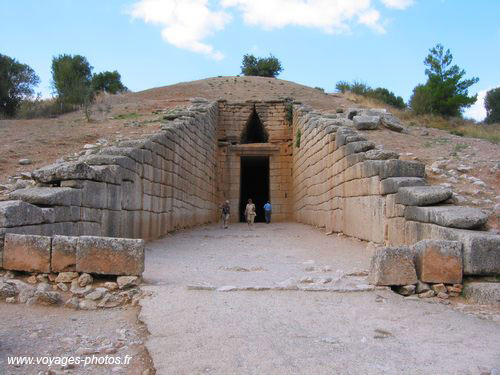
(422, 287)
(17, 213)
(483, 293)
(448, 216)
(392, 266)
(63, 256)
(8, 289)
(64, 171)
(366, 122)
(87, 304)
(439, 288)
(406, 290)
(392, 122)
(392, 185)
(110, 256)
(84, 280)
(439, 261)
(46, 298)
(26, 253)
(381, 155)
(402, 168)
(481, 254)
(422, 195)
(125, 282)
(360, 146)
(49, 196)
(364, 218)
(66, 277)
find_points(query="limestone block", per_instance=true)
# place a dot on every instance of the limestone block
(110, 256)
(357, 147)
(439, 261)
(63, 257)
(395, 231)
(131, 195)
(49, 215)
(402, 168)
(422, 195)
(64, 171)
(114, 198)
(49, 196)
(362, 187)
(392, 122)
(18, 213)
(28, 253)
(89, 229)
(91, 214)
(65, 214)
(364, 218)
(392, 266)
(448, 216)
(392, 185)
(111, 223)
(481, 253)
(483, 293)
(381, 155)
(94, 194)
(392, 209)
(366, 122)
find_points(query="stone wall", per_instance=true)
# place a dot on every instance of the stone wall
(141, 188)
(345, 183)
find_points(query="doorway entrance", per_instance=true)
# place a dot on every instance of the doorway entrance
(254, 184)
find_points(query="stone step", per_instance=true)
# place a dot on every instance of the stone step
(483, 293)
(447, 216)
(422, 195)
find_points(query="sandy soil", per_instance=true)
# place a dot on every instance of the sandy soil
(298, 332)
(39, 331)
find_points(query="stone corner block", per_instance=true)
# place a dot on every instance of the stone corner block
(110, 256)
(63, 257)
(15, 213)
(439, 261)
(28, 253)
(392, 266)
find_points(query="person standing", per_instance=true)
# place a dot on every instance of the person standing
(267, 212)
(225, 213)
(250, 213)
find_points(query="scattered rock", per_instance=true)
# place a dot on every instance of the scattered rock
(26, 294)
(32, 280)
(47, 298)
(98, 293)
(442, 295)
(72, 303)
(44, 287)
(422, 287)
(8, 289)
(439, 288)
(62, 287)
(428, 294)
(127, 281)
(84, 280)
(406, 290)
(87, 304)
(66, 277)
(110, 301)
(382, 334)
(110, 285)
(25, 162)
(10, 300)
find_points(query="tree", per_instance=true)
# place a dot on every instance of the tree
(16, 84)
(261, 66)
(387, 96)
(71, 79)
(109, 82)
(492, 105)
(446, 90)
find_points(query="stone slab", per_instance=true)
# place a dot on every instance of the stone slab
(392, 185)
(439, 261)
(483, 293)
(17, 213)
(392, 266)
(28, 253)
(448, 216)
(63, 257)
(49, 196)
(110, 256)
(422, 195)
(366, 122)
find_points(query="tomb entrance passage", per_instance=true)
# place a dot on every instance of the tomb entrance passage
(254, 184)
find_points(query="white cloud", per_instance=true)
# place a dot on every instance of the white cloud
(477, 110)
(397, 4)
(185, 23)
(331, 16)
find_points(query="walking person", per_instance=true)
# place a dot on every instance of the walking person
(225, 213)
(250, 213)
(267, 212)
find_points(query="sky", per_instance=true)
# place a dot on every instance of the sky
(155, 43)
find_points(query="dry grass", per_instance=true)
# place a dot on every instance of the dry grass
(457, 126)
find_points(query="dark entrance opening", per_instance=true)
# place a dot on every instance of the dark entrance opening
(254, 184)
(254, 131)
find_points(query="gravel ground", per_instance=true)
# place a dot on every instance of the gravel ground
(269, 331)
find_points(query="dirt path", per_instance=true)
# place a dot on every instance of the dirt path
(263, 330)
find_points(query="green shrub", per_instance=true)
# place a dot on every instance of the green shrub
(343, 86)
(492, 106)
(298, 137)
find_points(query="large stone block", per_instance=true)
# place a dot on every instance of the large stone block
(439, 261)
(64, 171)
(402, 168)
(63, 257)
(359, 146)
(366, 122)
(392, 185)
(483, 293)
(422, 195)
(448, 216)
(110, 256)
(481, 254)
(19, 213)
(49, 196)
(27, 253)
(364, 218)
(392, 266)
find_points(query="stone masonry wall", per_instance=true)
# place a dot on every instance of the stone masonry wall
(137, 189)
(345, 183)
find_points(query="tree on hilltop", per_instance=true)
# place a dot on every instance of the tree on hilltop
(261, 66)
(17, 82)
(446, 91)
(492, 106)
(109, 82)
